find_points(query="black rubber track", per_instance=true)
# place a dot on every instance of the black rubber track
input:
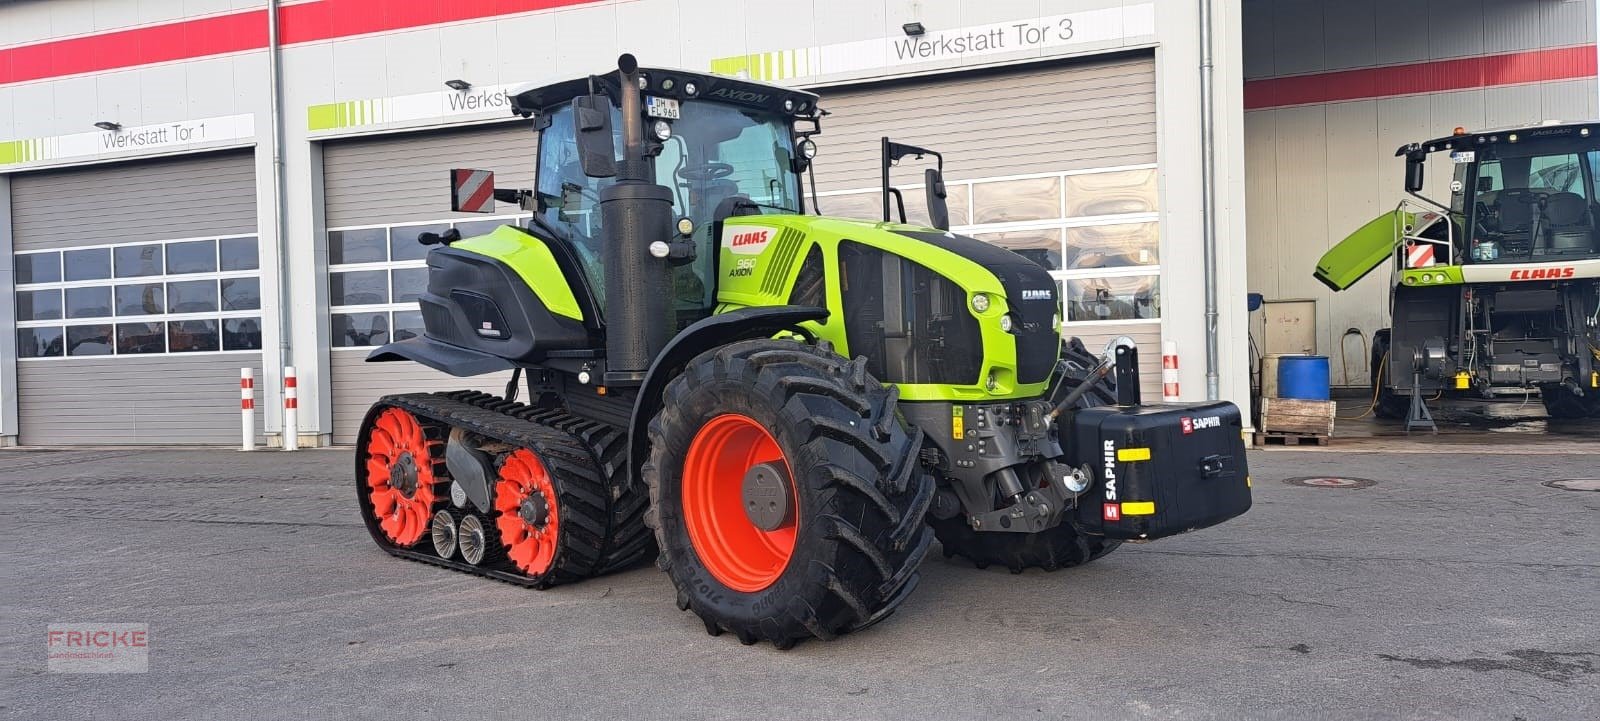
(601, 524)
(862, 494)
(1051, 549)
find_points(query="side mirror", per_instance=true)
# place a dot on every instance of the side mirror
(1415, 163)
(450, 235)
(938, 209)
(597, 150)
(471, 191)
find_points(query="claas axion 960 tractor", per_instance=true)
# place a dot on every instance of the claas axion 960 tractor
(789, 407)
(1497, 290)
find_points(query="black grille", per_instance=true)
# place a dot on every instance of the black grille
(1038, 340)
(911, 323)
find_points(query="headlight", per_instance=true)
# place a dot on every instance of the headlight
(662, 129)
(685, 226)
(690, 89)
(808, 149)
(644, 82)
(788, 106)
(980, 302)
(1006, 323)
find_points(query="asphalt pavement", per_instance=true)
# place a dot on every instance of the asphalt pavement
(1459, 586)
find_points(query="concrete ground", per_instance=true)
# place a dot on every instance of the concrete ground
(1458, 587)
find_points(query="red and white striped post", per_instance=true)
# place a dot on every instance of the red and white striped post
(1169, 371)
(291, 412)
(247, 408)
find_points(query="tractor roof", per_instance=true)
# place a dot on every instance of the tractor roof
(1469, 140)
(665, 82)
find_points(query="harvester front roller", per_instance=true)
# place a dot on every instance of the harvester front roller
(786, 496)
(558, 512)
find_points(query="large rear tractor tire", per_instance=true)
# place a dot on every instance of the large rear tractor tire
(786, 496)
(1562, 404)
(1387, 404)
(1053, 548)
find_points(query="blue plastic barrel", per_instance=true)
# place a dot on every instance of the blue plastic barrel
(1303, 377)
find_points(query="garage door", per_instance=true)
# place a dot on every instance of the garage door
(138, 300)
(1057, 161)
(379, 194)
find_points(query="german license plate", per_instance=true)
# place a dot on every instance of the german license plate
(661, 108)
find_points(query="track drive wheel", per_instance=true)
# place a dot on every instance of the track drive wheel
(527, 513)
(786, 496)
(400, 488)
(1053, 548)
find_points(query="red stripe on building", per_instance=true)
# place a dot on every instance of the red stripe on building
(238, 32)
(1431, 77)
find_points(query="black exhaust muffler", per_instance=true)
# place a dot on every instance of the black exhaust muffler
(635, 211)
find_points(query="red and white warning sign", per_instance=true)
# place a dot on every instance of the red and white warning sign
(471, 191)
(1113, 511)
(1419, 255)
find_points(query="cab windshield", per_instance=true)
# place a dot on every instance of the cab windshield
(719, 159)
(1532, 202)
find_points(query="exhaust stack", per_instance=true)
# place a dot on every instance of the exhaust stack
(636, 211)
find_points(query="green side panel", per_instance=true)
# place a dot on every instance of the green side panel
(532, 260)
(11, 152)
(1436, 275)
(1362, 252)
(765, 276)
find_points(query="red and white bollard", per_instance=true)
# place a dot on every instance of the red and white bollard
(1169, 371)
(247, 408)
(291, 412)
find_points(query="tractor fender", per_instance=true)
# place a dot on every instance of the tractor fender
(703, 335)
(452, 359)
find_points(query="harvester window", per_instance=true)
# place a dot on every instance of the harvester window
(1533, 205)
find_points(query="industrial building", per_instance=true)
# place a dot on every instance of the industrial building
(188, 188)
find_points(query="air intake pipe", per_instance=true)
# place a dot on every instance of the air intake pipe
(635, 212)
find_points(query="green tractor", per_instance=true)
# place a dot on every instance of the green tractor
(1497, 291)
(789, 407)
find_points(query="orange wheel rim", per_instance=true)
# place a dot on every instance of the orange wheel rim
(733, 549)
(400, 476)
(527, 513)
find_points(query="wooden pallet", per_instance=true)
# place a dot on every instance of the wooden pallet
(1305, 418)
(1264, 438)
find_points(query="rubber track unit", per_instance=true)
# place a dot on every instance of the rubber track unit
(603, 523)
(1053, 548)
(862, 494)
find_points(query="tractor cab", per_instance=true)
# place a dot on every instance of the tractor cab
(723, 146)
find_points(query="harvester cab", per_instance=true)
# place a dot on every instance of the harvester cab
(1495, 291)
(790, 407)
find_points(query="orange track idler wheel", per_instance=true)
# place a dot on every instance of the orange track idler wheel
(729, 454)
(527, 512)
(400, 476)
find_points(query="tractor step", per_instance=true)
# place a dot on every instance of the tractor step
(602, 526)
